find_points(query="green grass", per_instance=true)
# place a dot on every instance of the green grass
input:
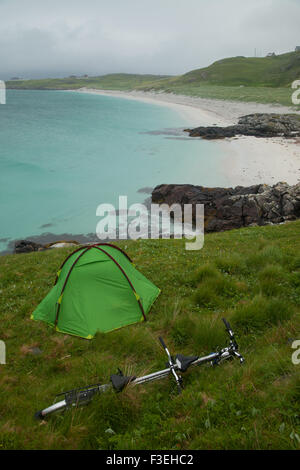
(265, 95)
(262, 80)
(115, 81)
(247, 79)
(251, 276)
(278, 71)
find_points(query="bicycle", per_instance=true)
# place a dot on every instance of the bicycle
(181, 363)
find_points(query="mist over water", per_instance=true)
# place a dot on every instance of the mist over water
(64, 153)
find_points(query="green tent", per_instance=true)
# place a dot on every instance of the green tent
(97, 289)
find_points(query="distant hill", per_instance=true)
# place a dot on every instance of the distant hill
(275, 71)
(261, 80)
(115, 81)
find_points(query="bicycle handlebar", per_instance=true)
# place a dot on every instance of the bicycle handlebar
(227, 324)
(162, 342)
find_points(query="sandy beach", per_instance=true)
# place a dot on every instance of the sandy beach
(247, 160)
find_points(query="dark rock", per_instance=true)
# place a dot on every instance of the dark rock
(258, 125)
(229, 208)
(213, 132)
(27, 246)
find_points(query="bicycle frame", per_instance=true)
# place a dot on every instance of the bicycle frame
(84, 395)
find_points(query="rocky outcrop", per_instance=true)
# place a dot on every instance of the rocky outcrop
(27, 246)
(231, 208)
(258, 125)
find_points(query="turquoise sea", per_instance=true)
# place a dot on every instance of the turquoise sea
(64, 153)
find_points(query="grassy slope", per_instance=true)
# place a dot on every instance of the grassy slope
(268, 95)
(251, 276)
(263, 80)
(117, 81)
(278, 71)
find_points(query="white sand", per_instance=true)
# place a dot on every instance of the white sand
(247, 160)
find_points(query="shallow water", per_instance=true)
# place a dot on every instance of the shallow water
(62, 154)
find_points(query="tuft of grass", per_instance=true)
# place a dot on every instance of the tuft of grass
(206, 296)
(270, 254)
(215, 292)
(270, 288)
(295, 264)
(272, 272)
(231, 264)
(183, 330)
(261, 313)
(270, 280)
(207, 271)
(208, 334)
(273, 254)
(225, 287)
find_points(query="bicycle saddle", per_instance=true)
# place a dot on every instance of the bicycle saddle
(184, 362)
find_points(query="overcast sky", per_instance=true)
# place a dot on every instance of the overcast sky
(55, 38)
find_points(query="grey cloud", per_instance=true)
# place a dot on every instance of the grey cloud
(57, 38)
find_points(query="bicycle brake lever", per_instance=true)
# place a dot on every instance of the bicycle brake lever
(241, 358)
(177, 378)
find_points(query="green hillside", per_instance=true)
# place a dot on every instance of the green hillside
(117, 81)
(251, 276)
(278, 71)
(262, 80)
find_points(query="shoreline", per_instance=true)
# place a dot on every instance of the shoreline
(246, 160)
(189, 112)
(219, 112)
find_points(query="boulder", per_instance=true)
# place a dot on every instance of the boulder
(27, 246)
(258, 125)
(230, 208)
